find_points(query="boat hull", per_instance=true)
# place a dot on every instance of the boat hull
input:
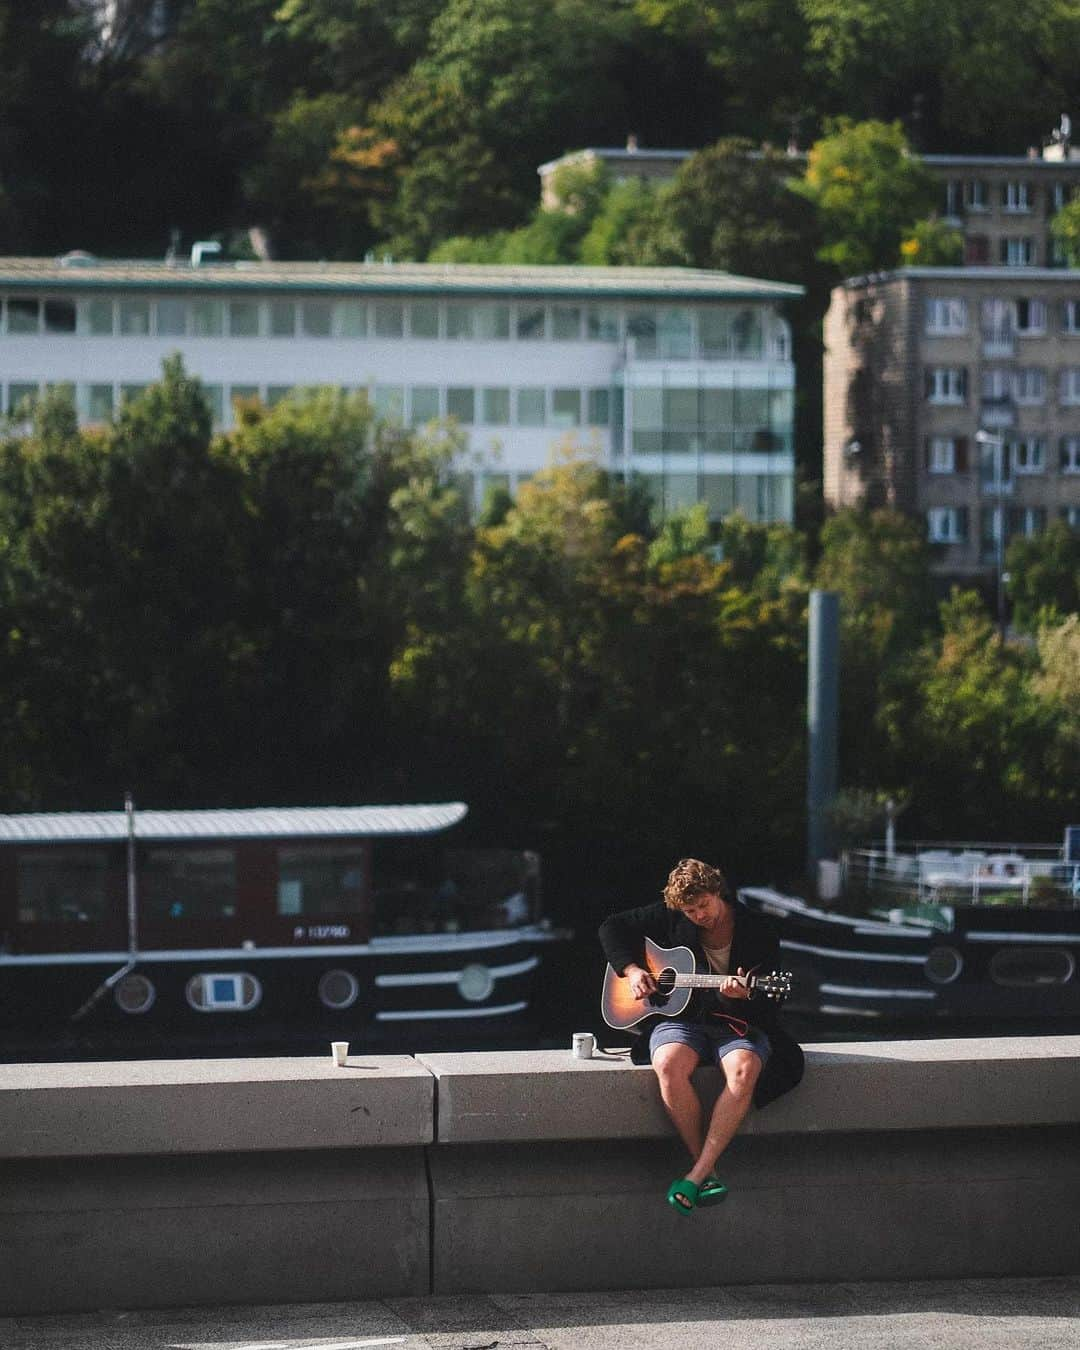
(976, 963)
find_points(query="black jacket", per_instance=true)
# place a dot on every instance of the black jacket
(755, 947)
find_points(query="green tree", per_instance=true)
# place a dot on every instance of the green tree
(932, 243)
(1065, 227)
(1044, 575)
(869, 191)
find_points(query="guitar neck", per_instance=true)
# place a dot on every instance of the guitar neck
(712, 981)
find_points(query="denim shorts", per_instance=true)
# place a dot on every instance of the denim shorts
(712, 1040)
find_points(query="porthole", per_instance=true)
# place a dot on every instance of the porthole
(226, 991)
(135, 994)
(475, 983)
(338, 989)
(943, 965)
(1030, 967)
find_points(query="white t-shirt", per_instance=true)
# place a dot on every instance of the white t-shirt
(719, 959)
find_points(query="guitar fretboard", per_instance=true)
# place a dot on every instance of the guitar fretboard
(709, 981)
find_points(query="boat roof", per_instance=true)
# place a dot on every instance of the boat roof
(272, 822)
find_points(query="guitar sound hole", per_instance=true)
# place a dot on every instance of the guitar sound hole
(665, 982)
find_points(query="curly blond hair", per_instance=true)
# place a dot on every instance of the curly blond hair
(690, 878)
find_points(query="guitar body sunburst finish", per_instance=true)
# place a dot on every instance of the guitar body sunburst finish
(621, 1010)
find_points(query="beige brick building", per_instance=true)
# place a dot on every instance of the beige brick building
(953, 394)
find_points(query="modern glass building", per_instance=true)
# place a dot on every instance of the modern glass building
(684, 377)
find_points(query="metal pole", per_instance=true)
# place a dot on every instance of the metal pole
(132, 906)
(999, 483)
(822, 704)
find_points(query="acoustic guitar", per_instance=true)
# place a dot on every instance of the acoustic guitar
(675, 973)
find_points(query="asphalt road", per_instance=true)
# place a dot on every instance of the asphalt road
(998, 1314)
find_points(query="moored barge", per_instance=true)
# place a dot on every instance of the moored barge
(176, 930)
(937, 932)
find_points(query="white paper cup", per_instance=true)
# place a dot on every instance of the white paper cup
(340, 1051)
(583, 1044)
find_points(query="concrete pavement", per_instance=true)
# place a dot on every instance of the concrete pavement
(998, 1314)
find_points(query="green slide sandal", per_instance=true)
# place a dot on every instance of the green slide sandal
(712, 1191)
(683, 1195)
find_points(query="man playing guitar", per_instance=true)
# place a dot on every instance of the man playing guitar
(731, 1028)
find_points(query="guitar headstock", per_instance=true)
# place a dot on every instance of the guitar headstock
(776, 984)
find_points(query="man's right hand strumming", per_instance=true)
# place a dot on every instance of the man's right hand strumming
(642, 983)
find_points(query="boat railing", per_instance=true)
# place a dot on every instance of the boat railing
(970, 874)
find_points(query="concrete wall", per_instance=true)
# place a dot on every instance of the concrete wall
(208, 1182)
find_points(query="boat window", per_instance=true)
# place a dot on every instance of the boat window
(1032, 966)
(189, 883)
(321, 880)
(417, 890)
(61, 885)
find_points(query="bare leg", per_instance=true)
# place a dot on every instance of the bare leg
(674, 1064)
(741, 1069)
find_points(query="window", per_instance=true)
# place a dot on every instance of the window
(946, 454)
(215, 397)
(496, 407)
(1071, 317)
(1071, 516)
(1016, 196)
(316, 318)
(566, 323)
(388, 401)
(1061, 195)
(976, 197)
(1030, 317)
(531, 409)
(244, 318)
(1030, 385)
(424, 319)
(425, 404)
(316, 881)
(61, 885)
(134, 318)
(277, 393)
(566, 407)
(1069, 454)
(188, 883)
(492, 322)
(1069, 386)
(207, 318)
(24, 316)
(946, 314)
(1017, 250)
(1027, 520)
(99, 317)
(171, 318)
(352, 318)
(59, 316)
(947, 524)
(998, 318)
(954, 197)
(997, 385)
(461, 404)
(130, 392)
(389, 318)
(99, 404)
(602, 324)
(282, 318)
(531, 322)
(946, 384)
(1029, 455)
(599, 407)
(21, 399)
(641, 329)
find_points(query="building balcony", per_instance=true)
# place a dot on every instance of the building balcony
(999, 342)
(997, 413)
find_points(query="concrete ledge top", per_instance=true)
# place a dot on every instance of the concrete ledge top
(893, 1085)
(213, 1106)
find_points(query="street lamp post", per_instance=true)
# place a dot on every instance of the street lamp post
(998, 445)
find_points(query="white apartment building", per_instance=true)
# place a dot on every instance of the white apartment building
(684, 377)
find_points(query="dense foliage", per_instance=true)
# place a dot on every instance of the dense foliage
(341, 125)
(301, 611)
